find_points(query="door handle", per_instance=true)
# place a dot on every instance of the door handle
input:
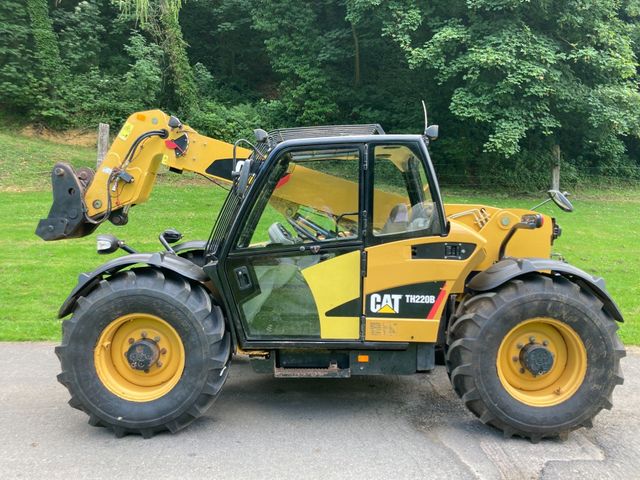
(242, 277)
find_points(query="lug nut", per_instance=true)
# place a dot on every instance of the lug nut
(143, 334)
(545, 343)
(131, 340)
(159, 364)
(522, 370)
(520, 345)
(163, 351)
(156, 338)
(146, 370)
(532, 339)
(514, 358)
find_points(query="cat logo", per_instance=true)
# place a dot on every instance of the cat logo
(387, 303)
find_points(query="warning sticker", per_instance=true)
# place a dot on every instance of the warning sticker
(127, 128)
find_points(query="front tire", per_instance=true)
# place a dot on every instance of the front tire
(144, 352)
(539, 357)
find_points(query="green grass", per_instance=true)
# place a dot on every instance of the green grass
(601, 236)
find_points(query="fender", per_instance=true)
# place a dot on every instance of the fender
(162, 260)
(510, 268)
(190, 245)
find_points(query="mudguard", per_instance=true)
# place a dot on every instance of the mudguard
(190, 245)
(162, 260)
(511, 268)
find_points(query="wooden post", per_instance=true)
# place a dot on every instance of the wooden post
(555, 169)
(103, 142)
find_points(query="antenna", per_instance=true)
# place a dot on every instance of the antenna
(426, 122)
(430, 132)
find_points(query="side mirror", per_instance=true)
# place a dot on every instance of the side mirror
(261, 135)
(106, 244)
(561, 200)
(243, 181)
(431, 132)
(171, 235)
(174, 122)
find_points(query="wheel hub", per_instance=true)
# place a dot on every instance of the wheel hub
(536, 358)
(541, 362)
(142, 354)
(139, 357)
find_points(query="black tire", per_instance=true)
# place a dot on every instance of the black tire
(484, 320)
(188, 309)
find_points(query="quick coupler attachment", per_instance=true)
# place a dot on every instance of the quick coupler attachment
(66, 218)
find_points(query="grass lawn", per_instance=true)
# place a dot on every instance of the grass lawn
(601, 236)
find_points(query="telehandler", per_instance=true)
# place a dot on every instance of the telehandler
(333, 255)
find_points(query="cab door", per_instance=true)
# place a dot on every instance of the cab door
(294, 265)
(411, 265)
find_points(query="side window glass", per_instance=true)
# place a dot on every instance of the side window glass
(310, 196)
(402, 200)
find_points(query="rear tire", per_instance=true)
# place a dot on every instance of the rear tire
(489, 345)
(192, 352)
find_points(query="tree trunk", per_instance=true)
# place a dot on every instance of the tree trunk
(175, 49)
(356, 49)
(555, 168)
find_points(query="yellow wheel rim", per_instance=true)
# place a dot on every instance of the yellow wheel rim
(112, 362)
(562, 379)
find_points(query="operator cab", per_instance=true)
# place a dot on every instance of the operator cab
(293, 252)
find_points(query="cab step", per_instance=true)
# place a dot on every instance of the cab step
(332, 372)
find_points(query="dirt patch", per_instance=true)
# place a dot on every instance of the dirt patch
(79, 137)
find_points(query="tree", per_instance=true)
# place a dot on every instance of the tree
(161, 17)
(17, 66)
(46, 54)
(560, 71)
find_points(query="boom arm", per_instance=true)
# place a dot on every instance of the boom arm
(84, 199)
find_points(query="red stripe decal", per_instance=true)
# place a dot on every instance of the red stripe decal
(436, 305)
(283, 180)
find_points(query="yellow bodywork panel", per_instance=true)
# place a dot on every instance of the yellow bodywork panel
(401, 330)
(335, 282)
(493, 224)
(391, 264)
(396, 278)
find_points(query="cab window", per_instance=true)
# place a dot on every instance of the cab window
(402, 200)
(310, 196)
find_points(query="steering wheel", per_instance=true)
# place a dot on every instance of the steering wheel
(301, 231)
(422, 216)
(341, 216)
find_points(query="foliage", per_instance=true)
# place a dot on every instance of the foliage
(47, 62)
(507, 80)
(17, 63)
(533, 68)
(226, 123)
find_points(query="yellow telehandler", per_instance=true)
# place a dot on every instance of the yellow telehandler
(333, 255)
